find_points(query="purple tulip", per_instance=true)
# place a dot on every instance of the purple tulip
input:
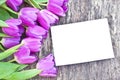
(45, 36)
(58, 7)
(13, 27)
(23, 56)
(27, 21)
(58, 2)
(28, 15)
(46, 18)
(14, 21)
(36, 32)
(64, 6)
(10, 42)
(12, 30)
(62, 3)
(47, 66)
(49, 73)
(14, 4)
(21, 29)
(33, 44)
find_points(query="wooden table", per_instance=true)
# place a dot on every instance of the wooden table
(84, 10)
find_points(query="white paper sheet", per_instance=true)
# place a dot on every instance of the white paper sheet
(81, 42)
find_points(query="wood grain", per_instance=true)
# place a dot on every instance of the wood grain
(83, 10)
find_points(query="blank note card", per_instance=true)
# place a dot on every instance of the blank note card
(81, 42)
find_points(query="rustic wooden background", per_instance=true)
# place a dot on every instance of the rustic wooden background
(83, 10)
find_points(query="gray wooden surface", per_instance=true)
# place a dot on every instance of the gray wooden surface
(83, 10)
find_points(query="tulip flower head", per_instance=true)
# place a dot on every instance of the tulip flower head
(21, 29)
(36, 32)
(23, 56)
(47, 66)
(10, 42)
(13, 27)
(47, 18)
(28, 15)
(14, 4)
(33, 44)
(58, 7)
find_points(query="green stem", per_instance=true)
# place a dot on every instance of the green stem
(8, 9)
(42, 4)
(34, 4)
(1, 47)
(11, 60)
(25, 27)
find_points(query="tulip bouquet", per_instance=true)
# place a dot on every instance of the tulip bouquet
(24, 25)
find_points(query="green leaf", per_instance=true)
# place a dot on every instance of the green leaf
(41, 1)
(34, 4)
(4, 6)
(21, 67)
(13, 15)
(23, 75)
(1, 47)
(7, 68)
(2, 1)
(9, 52)
(4, 15)
(3, 24)
(3, 35)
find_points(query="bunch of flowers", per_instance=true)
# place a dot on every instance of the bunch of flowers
(27, 26)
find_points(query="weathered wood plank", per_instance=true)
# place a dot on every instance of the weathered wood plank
(83, 10)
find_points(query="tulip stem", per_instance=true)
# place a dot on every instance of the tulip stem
(34, 4)
(42, 4)
(25, 27)
(11, 60)
(1, 47)
(8, 9)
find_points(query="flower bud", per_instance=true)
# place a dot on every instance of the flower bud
(22, 56)
(33, 44)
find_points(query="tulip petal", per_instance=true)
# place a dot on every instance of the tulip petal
(45, 62)
(56, 9)
(43, 20)
(27, 21)
(58, 2)
(22, 52)
(52, 17)
(10, 42)
(17, 2)
(28, 10)
(33, 44)
(21, 29)
(13, 27)
(23, 56)
(14, 4)
(47, 66)
(27, 60)
(49, 73)
(28, 16)
(12, 30)
(36, 32)
(64, 6)
(43, 65)
(14, 21)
